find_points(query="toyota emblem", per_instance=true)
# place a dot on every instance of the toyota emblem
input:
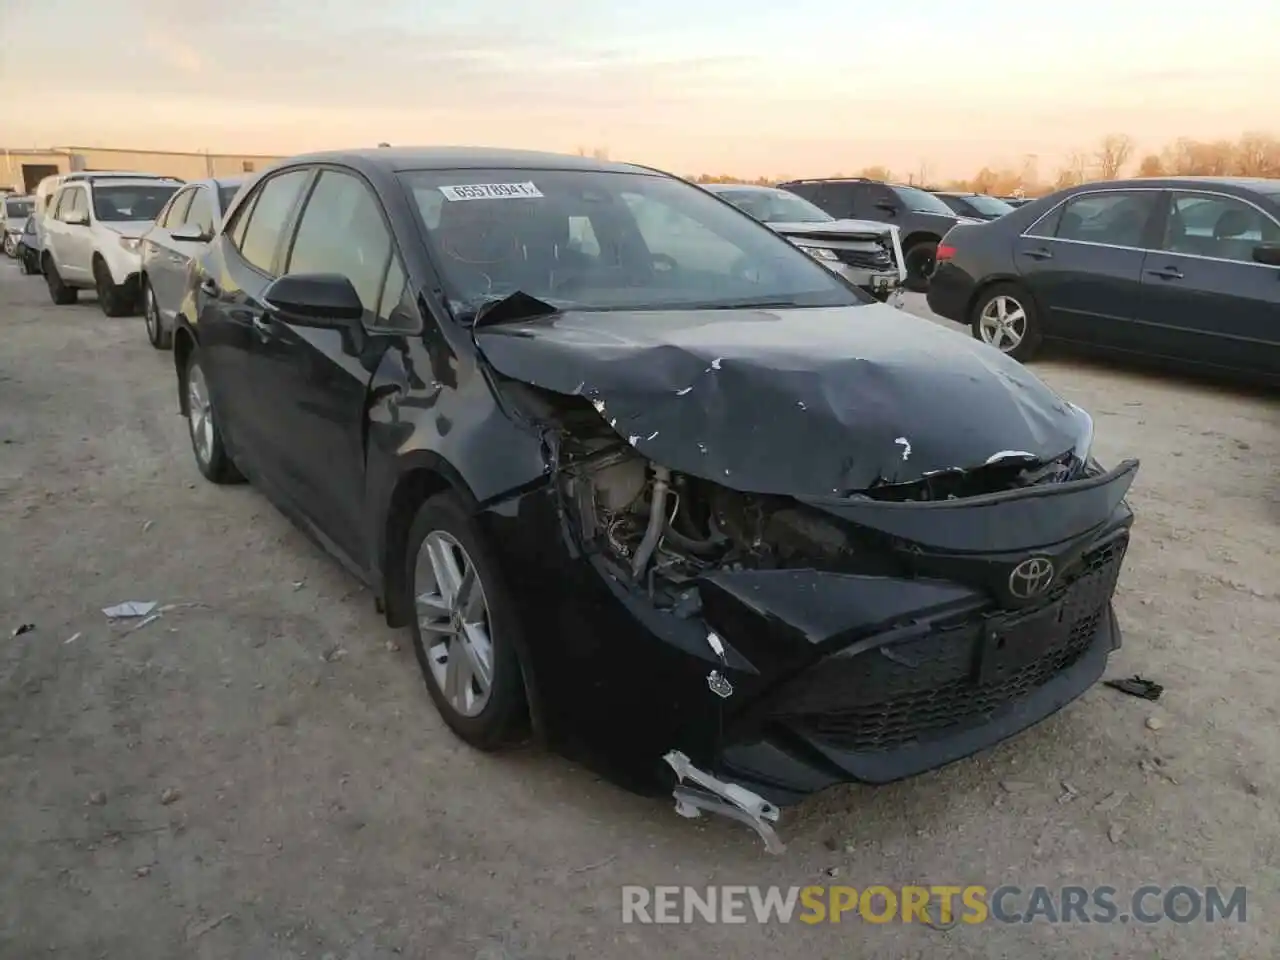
(1031, 578)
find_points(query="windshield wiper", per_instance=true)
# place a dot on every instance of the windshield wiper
(512, 308)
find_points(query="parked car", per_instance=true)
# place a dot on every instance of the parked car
(1181, 270)
(16, 211)
(28, 250)
(977, 206)
(91, 238)
(921, 218)
(47, 188)
(187, 222)
(866, 253)
(712, 513)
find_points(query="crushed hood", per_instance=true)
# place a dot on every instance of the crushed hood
(803, 402)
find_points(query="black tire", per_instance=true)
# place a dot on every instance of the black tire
(157, 335)
(113, 299)
(920, 259)
(10, 246)
(59, 292)
(504, 717)
(1015, 299)
(214, 463)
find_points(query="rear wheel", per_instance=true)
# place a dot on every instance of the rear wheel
(59, 292)
(159, 337)
(920, 258)
(1005, 317)
(113, 299)
(10, 245)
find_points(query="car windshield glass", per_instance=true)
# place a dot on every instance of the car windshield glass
(17, 208)
(921, 202)
(992, 206)
(227, 193)
(602, 240)
(129, 202)
(776, 206)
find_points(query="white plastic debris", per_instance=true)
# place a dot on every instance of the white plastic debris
(906, 446)
(131, 608)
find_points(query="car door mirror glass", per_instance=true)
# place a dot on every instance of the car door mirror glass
(1267, 253)
(315, 299)
(189, 233)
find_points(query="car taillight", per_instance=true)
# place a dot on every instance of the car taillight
(945, 252)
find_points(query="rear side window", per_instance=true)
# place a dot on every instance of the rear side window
(177, 210)
(267, 220)
(1116, 218)
(342, 231)
(200, 213)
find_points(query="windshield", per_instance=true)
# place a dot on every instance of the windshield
(921, 202)
(226, 193)
(120, 203)
(775, 206)
(991, 206)
(17, 208)
(597, 240)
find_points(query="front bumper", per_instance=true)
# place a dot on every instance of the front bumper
(123, 265)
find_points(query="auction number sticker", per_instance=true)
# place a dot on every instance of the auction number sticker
(491, 191)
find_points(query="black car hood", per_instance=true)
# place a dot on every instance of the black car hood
(803, 402)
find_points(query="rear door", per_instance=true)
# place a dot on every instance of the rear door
(159, 258)
(233, 275)
(1204, 298)
(315, 380)
(75, 239)
(1083, 262)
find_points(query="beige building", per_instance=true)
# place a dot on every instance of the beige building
(21, 170)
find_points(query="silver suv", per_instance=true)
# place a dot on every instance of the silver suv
(91, 236)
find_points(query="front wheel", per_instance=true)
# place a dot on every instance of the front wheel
(920, 259)
(113, 299)
(157, 335)
(465, 626)
(206, 434)
(59, 292)
(1005, 317)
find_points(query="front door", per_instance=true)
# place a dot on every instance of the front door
(315, 380)
(1204, 298)
(1083, 263)
(162, 262)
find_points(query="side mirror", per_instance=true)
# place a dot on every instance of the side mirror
(190, 233)
(1267, 253)
(315, 299)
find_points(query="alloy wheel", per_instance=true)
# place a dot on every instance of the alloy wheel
(149, 314)
(1003, 323)
(199, 415)
(454, 621)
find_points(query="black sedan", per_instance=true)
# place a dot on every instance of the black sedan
(1180, 270)
(979, 206)
(646, 479)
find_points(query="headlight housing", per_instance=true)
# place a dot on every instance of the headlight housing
(130, 243)
(819, 253)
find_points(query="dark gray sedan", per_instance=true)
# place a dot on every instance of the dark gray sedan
(183, 228)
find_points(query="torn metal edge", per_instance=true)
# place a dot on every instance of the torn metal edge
(703, 792)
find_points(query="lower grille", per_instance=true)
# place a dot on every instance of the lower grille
(916, 691)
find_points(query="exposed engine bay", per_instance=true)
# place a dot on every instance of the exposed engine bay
(662, 528)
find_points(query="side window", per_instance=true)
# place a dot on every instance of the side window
(396, 309)
(342, 231)
(870, 198)
(1047, 226)
(177, 210)
(268, 218)
(1117, 218)
(242, 220)
(200, 212)
(1207, 225)
(72, 202)
(61, 204)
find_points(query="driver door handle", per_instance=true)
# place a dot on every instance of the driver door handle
(1040, 253)
(1168, 273)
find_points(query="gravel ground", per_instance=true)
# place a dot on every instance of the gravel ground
(260, 773)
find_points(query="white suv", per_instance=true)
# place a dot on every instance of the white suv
(91, 236)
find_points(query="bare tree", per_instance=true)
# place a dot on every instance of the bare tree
(1257, 155)
(1151, 166)
(1113, 154)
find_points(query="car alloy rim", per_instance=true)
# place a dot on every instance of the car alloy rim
(453, 618)
(149, 313)
(199, 415)
(1003, 323)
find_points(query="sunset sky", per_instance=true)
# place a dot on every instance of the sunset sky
(805, 87)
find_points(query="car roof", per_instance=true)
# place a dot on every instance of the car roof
(737, 187)
(400, 159)
(1256, 184)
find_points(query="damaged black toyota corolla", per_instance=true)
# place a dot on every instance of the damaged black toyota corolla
(645, 478)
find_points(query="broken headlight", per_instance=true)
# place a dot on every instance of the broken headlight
(1082, 450)
(818, 253)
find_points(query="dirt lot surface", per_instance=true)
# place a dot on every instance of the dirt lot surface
(262, 775)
